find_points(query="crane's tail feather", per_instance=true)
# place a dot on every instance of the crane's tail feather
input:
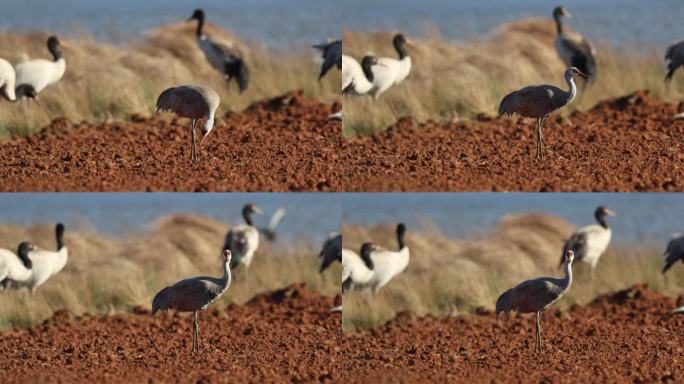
(503, 303)
(160, 301)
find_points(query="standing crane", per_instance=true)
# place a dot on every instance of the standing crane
(8, 80)
(331, 251)
(573, 48)
(674, 251)
(40, 73)
(390, 71)
(194, 295)
(331, 52)
(539, 101)
(17, 268)
(224, 57)
(590, 242)
(358, 79)
(674, 58)
(536, 295)
(243, 240)
(389, 264)
(44, 263)
(195, 102)
(357, 270)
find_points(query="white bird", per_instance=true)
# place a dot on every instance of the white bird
(357, 270)
(40, 73)
(195, 102)
(590, 242)
(46, 264)
(194, 295)
(243, 240)
(331, 52)
(358, 79)
(573, 49)
(539, 101)
(15, 268)
(224, 57)
(8, 80)
(389, 264)
(674, 58)
(331, 251)
(389, 71)
(674, 251)
(536, 295)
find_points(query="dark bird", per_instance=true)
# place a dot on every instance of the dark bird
(573, 49)
(674, 251)
(331, 52)
(331, 251)
(674, 58)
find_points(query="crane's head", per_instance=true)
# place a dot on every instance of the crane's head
(27, 90)
(197, 15)
(227, 255)
(560, 11)
(603, 212)
(574, 72)
(206, 128)
(569, 256)
(24, 248)
(252, 208)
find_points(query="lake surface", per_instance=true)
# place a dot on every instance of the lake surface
(308, 215)
(650, 217)
(622, 22)
(280, 23)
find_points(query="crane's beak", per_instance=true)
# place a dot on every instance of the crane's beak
(410, 42)
(38, 102)
(258, 210)
(64, 45)
(579, 73)
(610, 213)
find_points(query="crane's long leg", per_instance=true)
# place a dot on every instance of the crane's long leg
(195, 336)
(192, 153)
(541, 139)
(538, 132)
(538, 348)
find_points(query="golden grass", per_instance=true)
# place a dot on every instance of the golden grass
(450, 276)
(458, 80)
(106, 82)
(108, 274)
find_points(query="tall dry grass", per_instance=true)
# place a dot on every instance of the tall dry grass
(108, 274)
(449, 276)
(458, 80)
(111, 82)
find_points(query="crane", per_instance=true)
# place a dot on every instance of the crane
(8, 80)
(195, 102)
(331, 52)
(331, 251)
(539, 101)
(674, 251)
(389, 264)
(40, 73)
(536, 295)
(15, 268)
(574, 49)
(357, 270)
(194, 295)
(44, 263)
(224, 57)
(243, 240)
(390, 71)
(674, 58)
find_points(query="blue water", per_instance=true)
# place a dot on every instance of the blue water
(622, 22)
(309, 215)
(280, 23)
(647, 217)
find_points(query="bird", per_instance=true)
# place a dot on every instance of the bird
(358, 79)
(575, 50)
(15, 268)
(590, 242)
(674, 58)
(8, 78)
(269, 231)
(331, 53)
(357, 270)
(536, 295)
(674, 251)
(389, 264)
(194, 295)
(225, 58)
(40, 73)
(679, 116)
(539, 101)
(44, 263)
(243, 240)
(390, 71)
(679, 310)
(331, 251)
(195, 102)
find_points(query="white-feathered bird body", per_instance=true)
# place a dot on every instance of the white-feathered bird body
(45, 265)
(40, 73)
(243, 241)
(355, 273)
(7, 80)
(353, 78)
(12, 268)
(386, 73)
(387, 265)
(594, 242)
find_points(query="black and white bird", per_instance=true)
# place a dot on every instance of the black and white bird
(331, 53)
(44, 263)
(590, 242)
(194, 295)
(390, 71)
(224, 57)
(358, 79)
(674, 58)
(331, 251)
(573, 49)
(195, 102)
(389, 264)
(8, 81)
(269, 232)
(15, 268)
(536, 295)
(357, 270)
(40, 73)
(674, 251)
(243, 240)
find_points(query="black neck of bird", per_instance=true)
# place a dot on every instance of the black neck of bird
(367, 67)
(22, 252)
(559, 24)
(366, 250)
(401, 49)
(59, 234)
(247, 215)
(400, 237)
(200, 25)
(601, 218)
(55, 51)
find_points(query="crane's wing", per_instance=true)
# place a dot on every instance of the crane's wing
(331, 54)
(233, 62)
(576, 243)
(582, 54)
(186, 295)
(332, 250)
(269, 231)
(673, 253)
(185, 100)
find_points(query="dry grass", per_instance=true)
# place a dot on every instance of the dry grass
(111, 82)
(107, 274)
(458, 80)
(449, 276)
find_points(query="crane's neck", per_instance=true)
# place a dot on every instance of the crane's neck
(572, 92)
(559, 24)
(60, 239)
(401, 49)
(200, 26)
(567, 279)
(400, 239)
(602, 220)
(226, 279)
(367, 68)
(247, 215)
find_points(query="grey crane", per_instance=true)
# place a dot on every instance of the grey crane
(573, 49)
(331, 52)
(331, 251)
(224, 57)
(674, 251)
(243, 239)
(194, 295)
(195, 102)
(536, 295)
(539, 101)
(674, 58)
